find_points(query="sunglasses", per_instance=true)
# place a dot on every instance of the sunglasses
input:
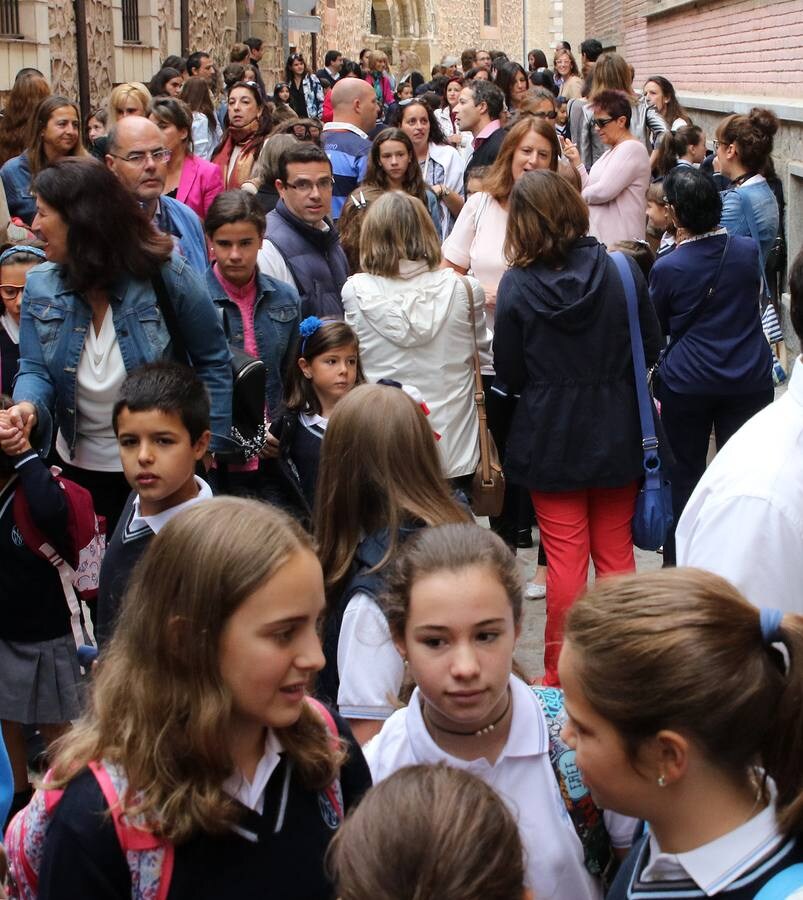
(545, 115)
(601, 123)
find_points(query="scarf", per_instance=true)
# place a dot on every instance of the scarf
(249, 142)
(376, 78)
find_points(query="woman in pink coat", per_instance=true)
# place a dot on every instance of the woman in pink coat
(190, 179)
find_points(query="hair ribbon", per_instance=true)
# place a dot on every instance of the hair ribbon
(770, 620)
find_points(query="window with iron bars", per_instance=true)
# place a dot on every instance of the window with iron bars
(10, 18)
(130, 20)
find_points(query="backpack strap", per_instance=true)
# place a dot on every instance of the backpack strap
(333, 791)
(149, 856)
(586, 817)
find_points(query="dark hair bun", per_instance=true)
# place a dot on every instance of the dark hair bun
(764, 120)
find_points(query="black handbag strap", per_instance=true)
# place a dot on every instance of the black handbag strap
(695, 313)
(170, 318)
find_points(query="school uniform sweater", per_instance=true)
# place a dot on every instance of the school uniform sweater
(276, 854)
(129, 542)
(744, 880)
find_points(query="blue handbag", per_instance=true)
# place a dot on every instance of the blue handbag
(653, 516)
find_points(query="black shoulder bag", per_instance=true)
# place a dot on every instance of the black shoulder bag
(249, 428)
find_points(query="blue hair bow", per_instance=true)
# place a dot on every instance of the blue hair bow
(307, 328)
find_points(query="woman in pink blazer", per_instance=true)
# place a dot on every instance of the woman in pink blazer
(190, 179)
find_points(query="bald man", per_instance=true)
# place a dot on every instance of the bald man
(138, 157)
(355, 111)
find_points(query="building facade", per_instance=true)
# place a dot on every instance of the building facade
(125, 39)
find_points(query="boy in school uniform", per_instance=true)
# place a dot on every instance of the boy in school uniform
(161, 420)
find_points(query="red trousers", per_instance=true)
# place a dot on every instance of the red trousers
(575, 525)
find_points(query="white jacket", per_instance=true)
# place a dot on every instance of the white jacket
(416, 329)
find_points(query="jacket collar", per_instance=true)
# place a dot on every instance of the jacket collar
(219, 295)
(323, 240)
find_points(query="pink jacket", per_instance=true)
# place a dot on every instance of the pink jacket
(387, 90)
(200, 183)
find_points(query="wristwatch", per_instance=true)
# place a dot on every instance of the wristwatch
(444, 192)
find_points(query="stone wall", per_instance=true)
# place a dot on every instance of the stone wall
(101, 49)
(64, 63)
(212, 28)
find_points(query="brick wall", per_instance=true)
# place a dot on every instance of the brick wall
(718, 46)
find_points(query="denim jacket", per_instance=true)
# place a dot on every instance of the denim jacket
(55, 321)
(16, 176)
(276, 316)
(761, 201)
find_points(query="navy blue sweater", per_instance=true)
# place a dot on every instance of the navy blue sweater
(724, 351)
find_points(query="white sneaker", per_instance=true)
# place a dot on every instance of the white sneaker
(535, 591)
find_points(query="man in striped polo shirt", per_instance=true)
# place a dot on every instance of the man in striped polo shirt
(355, 111)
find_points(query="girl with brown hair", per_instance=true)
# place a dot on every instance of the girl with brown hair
(453, 603)
(449, 836)
(29, 90)
(562, 342)
(380, 480)
(324, 367)
(206, 130)
(412, 315)
(200, 719)
(684, 710)
(391, 167)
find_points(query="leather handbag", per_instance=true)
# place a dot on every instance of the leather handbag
(653, 516)
(488, 484)
(249, 428)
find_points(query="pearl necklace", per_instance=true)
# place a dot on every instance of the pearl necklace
(487, 729)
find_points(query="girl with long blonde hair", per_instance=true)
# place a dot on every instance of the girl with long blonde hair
(380, 480)
(200, 719)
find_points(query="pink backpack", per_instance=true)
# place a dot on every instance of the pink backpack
(150, 858)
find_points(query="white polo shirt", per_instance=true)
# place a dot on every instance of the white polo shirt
(523, 778)
(744, 520)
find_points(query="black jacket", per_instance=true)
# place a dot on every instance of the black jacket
(486, 153)
(562, 341)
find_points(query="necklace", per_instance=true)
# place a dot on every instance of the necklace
(487, 729)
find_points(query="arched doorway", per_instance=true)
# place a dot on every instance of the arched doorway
(397, 25)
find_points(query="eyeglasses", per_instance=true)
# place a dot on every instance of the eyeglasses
(306, 132)
(717, 143)
(601, 123)
(140, 157)
(11, 291)
(545, 115)
(305, 187)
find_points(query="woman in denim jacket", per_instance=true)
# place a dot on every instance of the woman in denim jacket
(743, 145)
(90, 315)
(261, 316)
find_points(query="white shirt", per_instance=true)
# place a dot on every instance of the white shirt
(98, 379)
(11, 326)
(346, 126)
(720, 862)
(157, 523)
(252, 793)
(204, 138)
(523, 778)
(744, 520)
(369, 666)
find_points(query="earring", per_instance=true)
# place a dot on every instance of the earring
(406, 661)
(661, 781)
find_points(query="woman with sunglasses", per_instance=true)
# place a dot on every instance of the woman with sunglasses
(306, 91)
(616, 190)
(15, 263)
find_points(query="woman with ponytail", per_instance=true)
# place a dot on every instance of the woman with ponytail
(684, 705)
(743, 148)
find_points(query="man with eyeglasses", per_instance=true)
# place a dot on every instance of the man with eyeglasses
(302, 246)
(138, 157)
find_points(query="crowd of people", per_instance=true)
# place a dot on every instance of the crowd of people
(268, 353)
